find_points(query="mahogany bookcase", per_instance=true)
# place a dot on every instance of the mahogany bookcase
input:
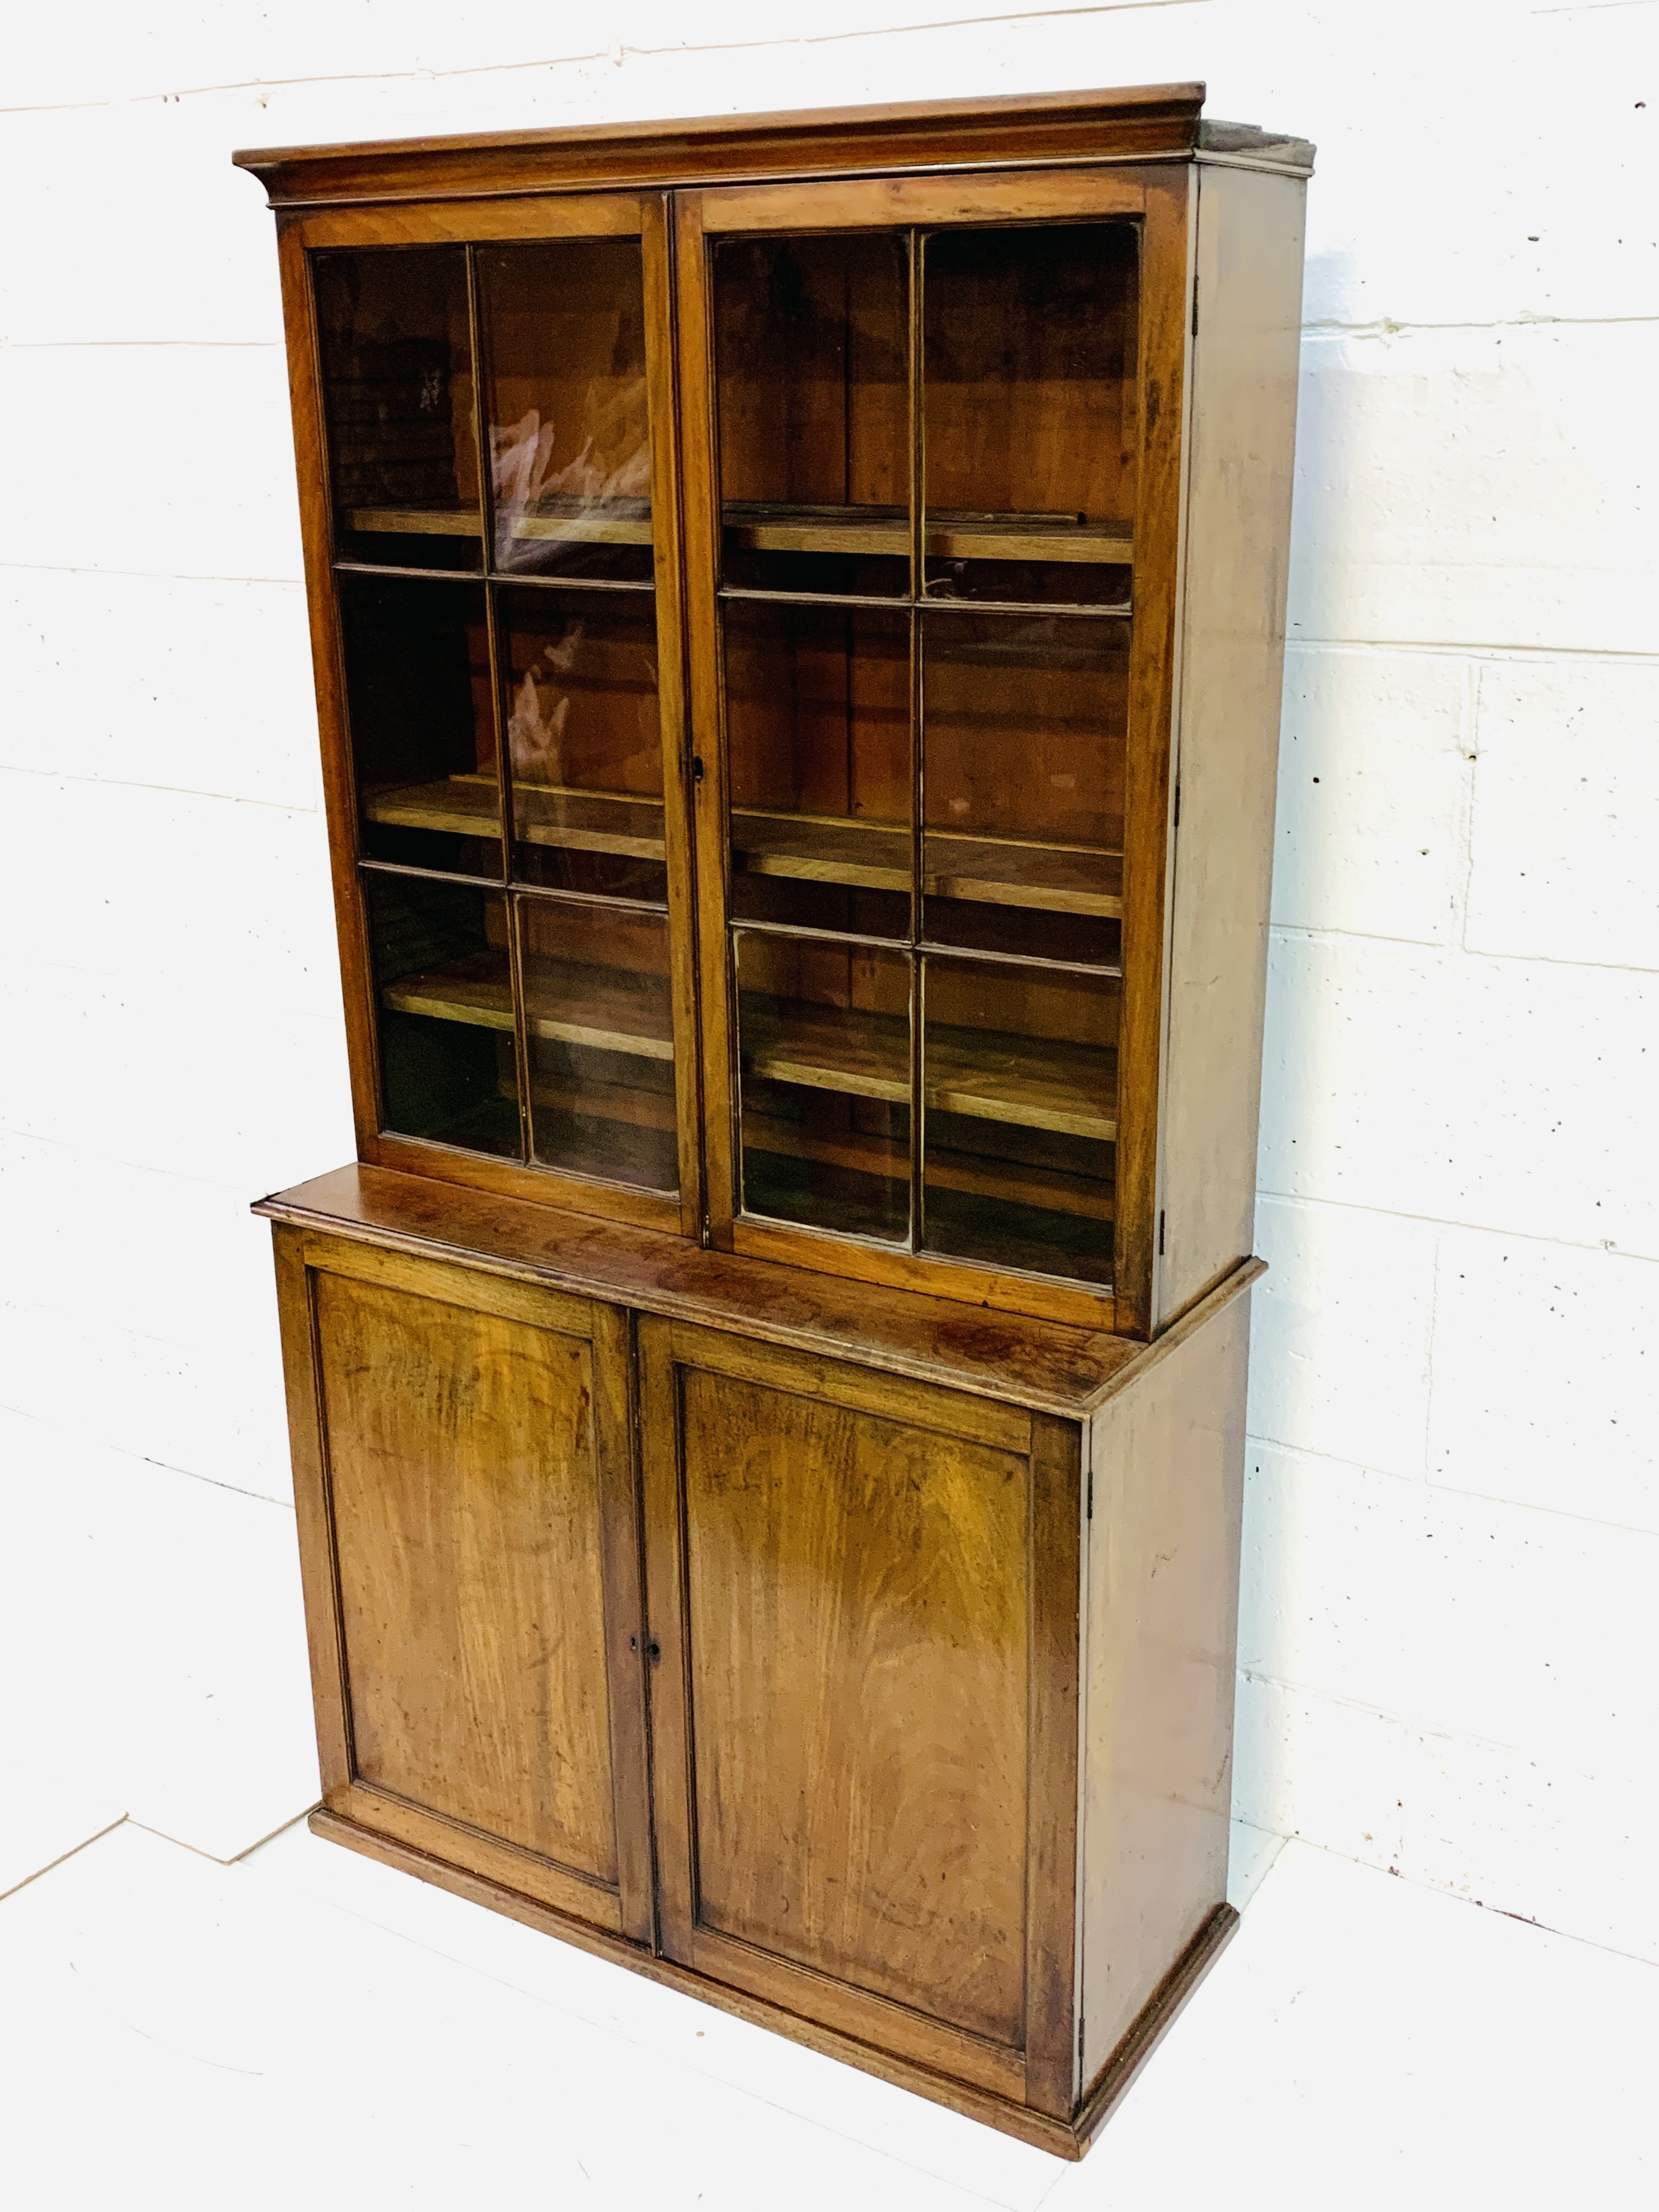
(798, 612)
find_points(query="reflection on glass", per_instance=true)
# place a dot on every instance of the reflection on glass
(423, 735)
(397, 363)
(1028, 402)
(580, 673)
(811, 347)
(443, 993)
(1023, 723)
(569, 439)
(823, 1048)
(817, 723)
(599, 1032)
(1020, 1084)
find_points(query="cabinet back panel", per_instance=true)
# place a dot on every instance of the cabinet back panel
(466, 1520)
(857, 1650)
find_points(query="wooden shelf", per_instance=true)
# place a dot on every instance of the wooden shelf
(1032, 1083)
(548, 814)
(1003, 872)
(951, 534)
(589, 822)
(1029, 1083)
(876, 856)
(816, 849)
(616, 522)
(605, 1009)
(466, 805)
(477, 991)
(758, 528)
(1015, 1183)
(821, 848)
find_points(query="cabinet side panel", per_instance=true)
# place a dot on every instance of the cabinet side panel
(1168, 1456)
(1243, 436)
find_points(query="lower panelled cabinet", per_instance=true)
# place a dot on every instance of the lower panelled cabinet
(756, 1669)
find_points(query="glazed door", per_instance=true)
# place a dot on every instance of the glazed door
(484, 416)
(468, 1539)
(930, 566)
(864, 1702)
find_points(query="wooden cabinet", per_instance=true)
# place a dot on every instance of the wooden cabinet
(798, 608)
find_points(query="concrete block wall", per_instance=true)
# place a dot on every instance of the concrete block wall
(1453, 1521)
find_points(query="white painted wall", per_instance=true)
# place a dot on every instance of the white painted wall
(1453, 1532)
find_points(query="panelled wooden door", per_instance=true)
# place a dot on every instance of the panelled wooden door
(465, 1482)
(864, 1707)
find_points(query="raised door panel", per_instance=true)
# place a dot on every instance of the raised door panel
(481, 1597)
(852, 1723)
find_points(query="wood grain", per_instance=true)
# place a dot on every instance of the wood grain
(994, 870)
(566, 1002)
(1025, 1082)
(1166, 317)
(1167, 1462)
(768, 528)
(1047, 1366)
(466, 1518)
(1055, 1540)
(657, 247)
(878, 202)
(711, 786)
(568, 522)
(1246, 358)
(441, 222)
(339, 796)
(853, 1650)
(313, 1511)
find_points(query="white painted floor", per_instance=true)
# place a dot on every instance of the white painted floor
(305, 2026)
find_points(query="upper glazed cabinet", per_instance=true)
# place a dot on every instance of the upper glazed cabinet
(799, 663)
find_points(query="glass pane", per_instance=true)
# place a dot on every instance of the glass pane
(811, 351)
(1025, 722)
(817, 731)
(570, 443)
(823, 1050)
(1029, 413)
(444, 994)
(396, 357)
(1019, 1084)
(423, 735)
(579, 670)
(600, 1031)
